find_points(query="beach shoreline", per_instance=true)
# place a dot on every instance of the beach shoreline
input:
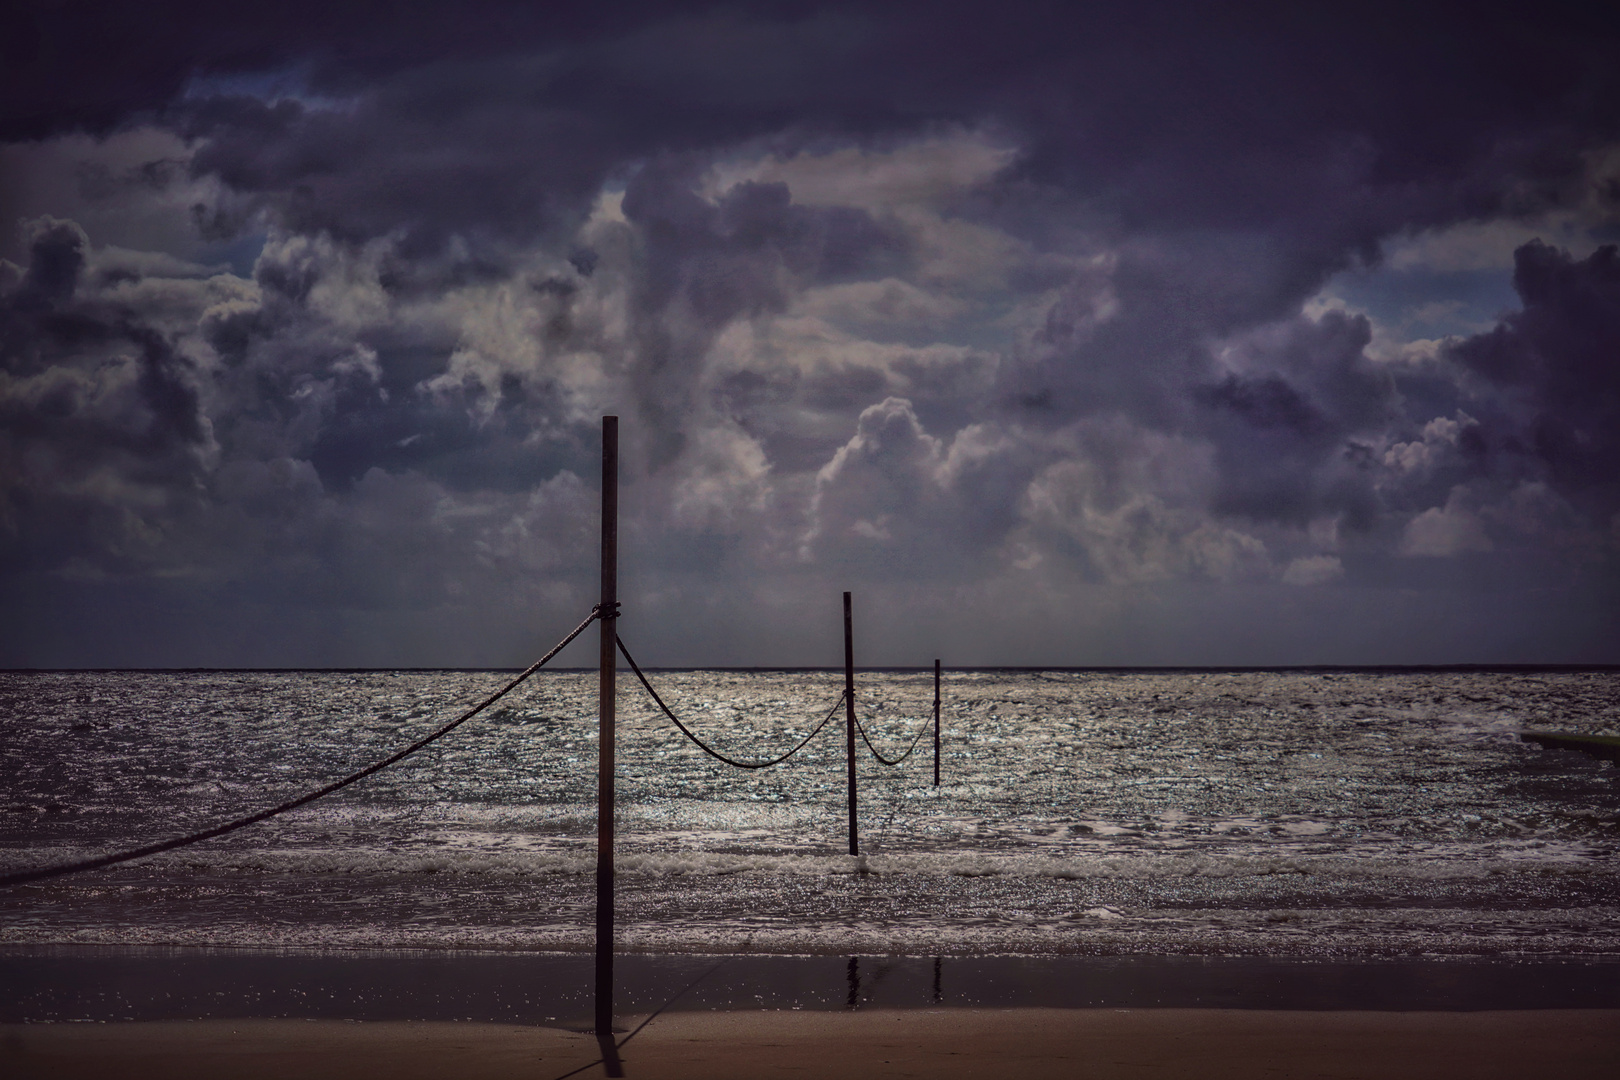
(101, 984)
(945, 1043)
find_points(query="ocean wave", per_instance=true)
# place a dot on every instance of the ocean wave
(1431, 866)
(1277, 932)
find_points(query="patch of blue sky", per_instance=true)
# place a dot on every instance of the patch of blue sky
(279, 84)
(238, 252)
(1457, 280)
(1418, 302)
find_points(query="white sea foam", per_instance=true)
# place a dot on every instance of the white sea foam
(1435, 864)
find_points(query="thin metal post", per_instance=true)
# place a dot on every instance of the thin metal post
(936, 722)
(605, 726)
(849, 720)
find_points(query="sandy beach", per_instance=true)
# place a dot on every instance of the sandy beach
(1027, 1043)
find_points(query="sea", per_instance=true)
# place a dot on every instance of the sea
(1332, 815)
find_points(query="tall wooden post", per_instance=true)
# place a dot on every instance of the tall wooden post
(605, 726)
(849, 721)
(936, 722)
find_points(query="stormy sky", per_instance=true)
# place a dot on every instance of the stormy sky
(1122, 333)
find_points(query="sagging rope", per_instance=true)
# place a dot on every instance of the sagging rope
(880, 757)
(100, 861)
(706, 748)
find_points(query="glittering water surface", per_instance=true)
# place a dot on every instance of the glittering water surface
(1346, 814)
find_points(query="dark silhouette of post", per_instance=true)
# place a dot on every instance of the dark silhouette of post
(605, 724)
(849, 720)
(936, 722)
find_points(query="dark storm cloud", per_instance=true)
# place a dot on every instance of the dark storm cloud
(475, 164)
(1023, 296)
(1176, 117)
(1286, 434)
(87, 63)
(57, 252)
(99, 413)
(706, 265)
(125, 461)
(1556, 364)
(42, 331)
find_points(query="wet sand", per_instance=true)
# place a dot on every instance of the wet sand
(76, 983)
(1209, 1044)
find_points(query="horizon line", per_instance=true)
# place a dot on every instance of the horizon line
(1099, 668)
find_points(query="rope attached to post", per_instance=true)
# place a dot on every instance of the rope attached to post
(24, 876)
(915, 740)
(706, 748)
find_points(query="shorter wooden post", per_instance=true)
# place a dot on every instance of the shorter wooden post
(936, 722)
